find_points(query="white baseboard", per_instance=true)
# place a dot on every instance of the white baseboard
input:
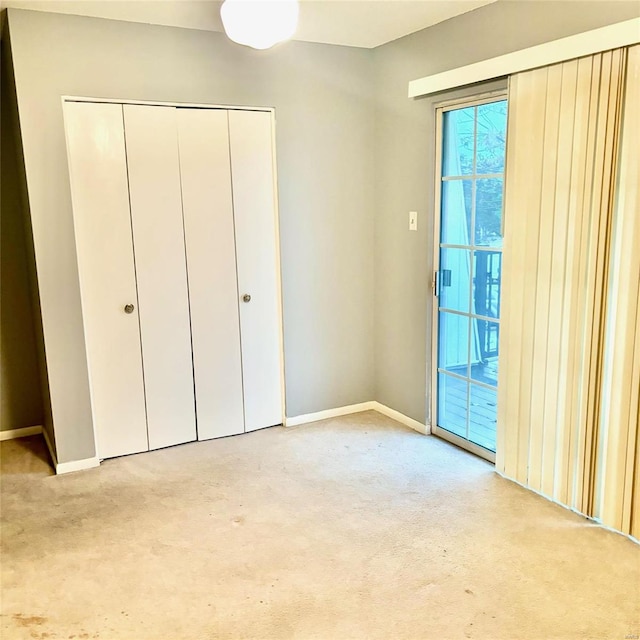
(329, 413)
(68, 467)
(402, 419)
(357, 408)
(77, 465)
(89, 463)
(23, 432)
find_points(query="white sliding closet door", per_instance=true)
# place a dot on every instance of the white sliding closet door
(158, 237)
(97, 166)
(252, 171)
(211, 264)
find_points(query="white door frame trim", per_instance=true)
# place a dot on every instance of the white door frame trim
(440, 109)
(620, 34)
(157, 103)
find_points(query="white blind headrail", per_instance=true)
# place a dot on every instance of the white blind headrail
(620, 34)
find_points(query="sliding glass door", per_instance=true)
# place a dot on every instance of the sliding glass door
(468, 262)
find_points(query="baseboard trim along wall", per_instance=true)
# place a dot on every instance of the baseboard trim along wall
(68, 467)
(425, 429)
(89, 463)
(357, 408)
(23, 432)
(328, 413)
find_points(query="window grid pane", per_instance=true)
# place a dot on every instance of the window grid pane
(470, 269)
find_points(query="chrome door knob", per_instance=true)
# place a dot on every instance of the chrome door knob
(246, 298)
(128, 308)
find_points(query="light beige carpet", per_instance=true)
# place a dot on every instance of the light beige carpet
(350, 528)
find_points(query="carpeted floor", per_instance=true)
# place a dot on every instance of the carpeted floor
(349, 528)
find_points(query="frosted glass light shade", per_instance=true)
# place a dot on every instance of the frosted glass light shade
(259, 23)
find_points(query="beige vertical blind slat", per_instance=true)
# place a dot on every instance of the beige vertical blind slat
(571, 353)
(559, 334)
(541, 300)
(516, 393)
(512, 294)
(566, 251)
(554, 404)
(595, 221)
(615, 483)
(609, 126)
(532, 211)
(627, 259)
(630, 192)
(635, 486)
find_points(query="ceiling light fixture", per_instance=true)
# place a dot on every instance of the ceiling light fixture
(259, 23)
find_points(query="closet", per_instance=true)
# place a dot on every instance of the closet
(176, 237)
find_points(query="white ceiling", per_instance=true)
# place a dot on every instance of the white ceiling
(357, 23)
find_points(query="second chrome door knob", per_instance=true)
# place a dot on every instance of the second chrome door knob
(246, 297)
(128, 308)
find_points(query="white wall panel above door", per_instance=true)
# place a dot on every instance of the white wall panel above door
(97, 165)
(158, 236)
(254, 202)
(203, 136)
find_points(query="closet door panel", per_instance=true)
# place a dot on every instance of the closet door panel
(211, 265)
(98, 172)
(158, 238)
(258, 277)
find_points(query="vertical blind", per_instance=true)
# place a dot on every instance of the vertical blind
(617, 478)
(568, 407)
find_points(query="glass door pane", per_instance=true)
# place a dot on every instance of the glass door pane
(469, 257)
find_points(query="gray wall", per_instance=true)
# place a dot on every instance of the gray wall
(20, 395)
(324, 109)
(404, 182)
